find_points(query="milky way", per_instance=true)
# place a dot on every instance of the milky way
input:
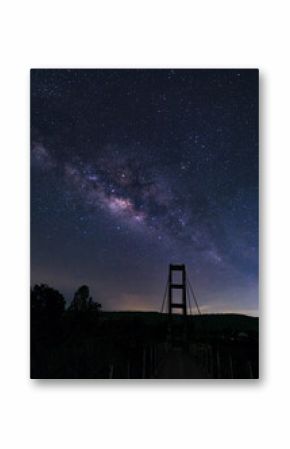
(134, 169)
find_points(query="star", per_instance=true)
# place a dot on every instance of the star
(139, 168)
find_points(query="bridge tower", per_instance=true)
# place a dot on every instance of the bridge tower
(174, 287)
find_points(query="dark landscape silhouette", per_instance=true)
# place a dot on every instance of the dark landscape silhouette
(82, 341)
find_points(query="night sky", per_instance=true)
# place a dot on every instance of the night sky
(134, 169)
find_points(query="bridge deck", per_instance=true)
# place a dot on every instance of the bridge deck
(179, 365)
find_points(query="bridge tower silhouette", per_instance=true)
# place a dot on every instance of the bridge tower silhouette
(175, 286)
(178, 282)
(183, 285)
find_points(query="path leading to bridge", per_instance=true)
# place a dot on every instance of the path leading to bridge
(180, 365)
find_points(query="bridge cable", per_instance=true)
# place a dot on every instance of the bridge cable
(194, 297)
(164, 296)
(188, 295)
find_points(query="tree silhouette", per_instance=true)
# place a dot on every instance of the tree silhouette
(94, 306)
(46, 302)
(83, 302)
(47, 320)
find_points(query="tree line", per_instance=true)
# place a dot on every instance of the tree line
(51, 303)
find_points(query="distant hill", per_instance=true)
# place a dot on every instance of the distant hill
(215, 322)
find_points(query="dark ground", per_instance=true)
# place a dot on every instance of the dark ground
(143, 345)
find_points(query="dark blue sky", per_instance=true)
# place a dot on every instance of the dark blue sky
(134, 169)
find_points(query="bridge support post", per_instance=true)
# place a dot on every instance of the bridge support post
(177, 286)
(177, 330)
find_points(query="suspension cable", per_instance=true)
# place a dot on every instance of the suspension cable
(164, 296)
(189, 301)
(194, 297)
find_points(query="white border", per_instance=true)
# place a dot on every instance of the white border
(144, 34)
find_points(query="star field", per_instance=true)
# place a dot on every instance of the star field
(134, 169)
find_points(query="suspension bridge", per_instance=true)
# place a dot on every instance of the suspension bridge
(179, 298)
(182, 343)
